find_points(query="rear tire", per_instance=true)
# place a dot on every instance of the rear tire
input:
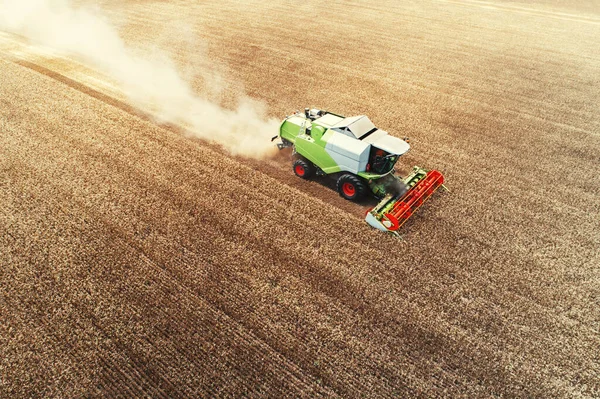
(303, 168)
(351, 187)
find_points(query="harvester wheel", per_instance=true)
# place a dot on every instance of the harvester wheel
(303, 168)
(351, 187)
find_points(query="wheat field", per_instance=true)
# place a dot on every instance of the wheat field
(138, 260)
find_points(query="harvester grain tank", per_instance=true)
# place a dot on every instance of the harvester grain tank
(362, 158)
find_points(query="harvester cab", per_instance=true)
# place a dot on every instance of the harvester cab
(361, 158)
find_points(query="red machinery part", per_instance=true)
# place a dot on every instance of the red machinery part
(404, 207)
(349, 189)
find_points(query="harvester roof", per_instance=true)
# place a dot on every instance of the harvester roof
(359, 126)
(329, 120)
(391, 144)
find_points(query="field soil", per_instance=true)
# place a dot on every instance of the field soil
(137, 261)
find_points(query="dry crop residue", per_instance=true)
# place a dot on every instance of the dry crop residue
(135, 261)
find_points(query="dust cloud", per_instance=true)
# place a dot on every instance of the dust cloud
(151, 82)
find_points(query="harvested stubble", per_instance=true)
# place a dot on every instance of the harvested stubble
(135, 261)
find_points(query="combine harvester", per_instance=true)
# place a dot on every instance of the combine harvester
(361, 158)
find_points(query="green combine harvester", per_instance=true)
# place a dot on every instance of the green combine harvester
(362, 158)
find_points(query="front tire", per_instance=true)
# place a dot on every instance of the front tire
(303, 168)
(351, 187)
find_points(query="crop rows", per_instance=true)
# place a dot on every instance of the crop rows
(137, 261)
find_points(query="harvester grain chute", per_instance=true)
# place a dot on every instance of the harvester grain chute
(362, 158)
